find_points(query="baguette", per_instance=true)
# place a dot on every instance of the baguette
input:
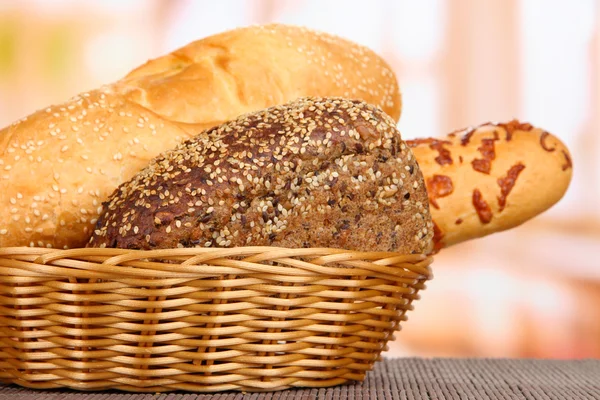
(58, 164)
(311, 173)
(490, 178)
(218, 78)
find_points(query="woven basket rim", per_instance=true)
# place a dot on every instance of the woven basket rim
(192, 262)
(191, 250)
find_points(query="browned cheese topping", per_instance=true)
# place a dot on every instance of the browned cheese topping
(466, 137)
(568, 163)
(543, 137)
(311, 173)
(507, 183)
(438, 236)
(488, 154)
(439, 186)
(468, 133)
(513, 126)
(481, 206)
(444, 156)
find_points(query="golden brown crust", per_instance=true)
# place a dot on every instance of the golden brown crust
(311, 173)
(500, 176)
(223, 76)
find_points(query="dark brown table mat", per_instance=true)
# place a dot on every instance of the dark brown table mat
(407, 379)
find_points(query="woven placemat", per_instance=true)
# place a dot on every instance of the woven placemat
(406, 378)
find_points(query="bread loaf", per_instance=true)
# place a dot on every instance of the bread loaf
(218, 78)
(311, 173)
(491, 178)
(58, 164)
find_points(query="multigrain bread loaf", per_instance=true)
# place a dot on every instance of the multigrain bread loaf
(58, 164)
(490, 178)
(312, 173)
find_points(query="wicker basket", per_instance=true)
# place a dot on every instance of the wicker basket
(249, 318)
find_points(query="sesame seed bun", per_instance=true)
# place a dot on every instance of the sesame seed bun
(59, 164)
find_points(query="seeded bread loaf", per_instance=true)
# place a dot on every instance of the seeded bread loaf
(58, 164)
(491, 178)
(311, 173)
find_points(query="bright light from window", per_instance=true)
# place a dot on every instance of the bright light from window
(556, 75)
(420, 108)
(417, 28)
(194, 20)
(107, 46)
(353, 19)
(555, 39)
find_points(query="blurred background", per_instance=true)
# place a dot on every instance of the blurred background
(530, 292)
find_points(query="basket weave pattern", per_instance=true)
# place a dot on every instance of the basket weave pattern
(249, 318)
